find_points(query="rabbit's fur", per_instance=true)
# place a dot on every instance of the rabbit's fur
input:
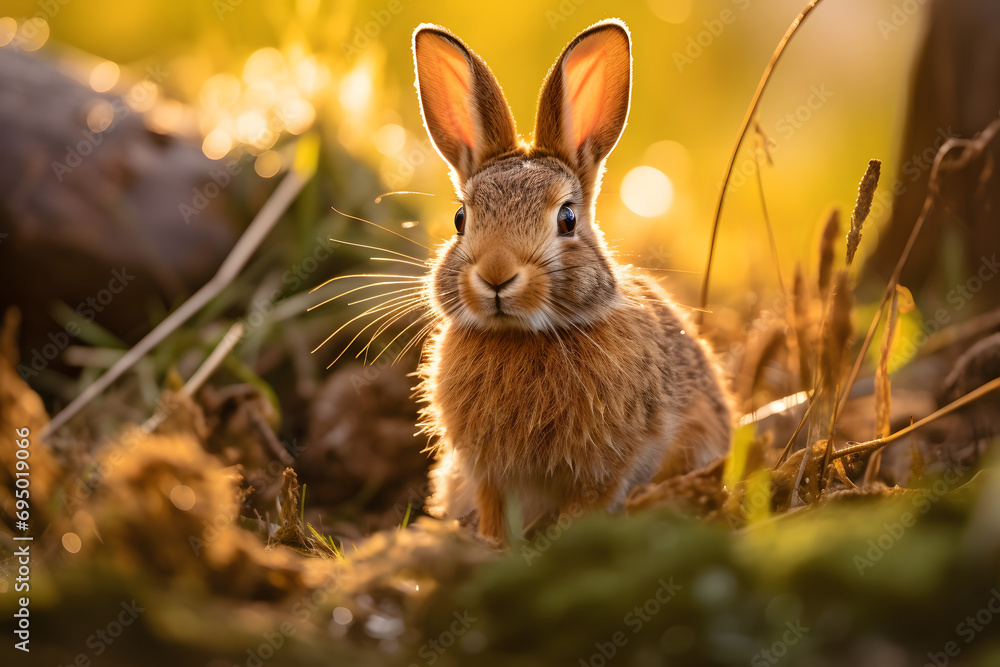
(556, 378)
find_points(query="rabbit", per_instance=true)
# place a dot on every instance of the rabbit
(556, 378)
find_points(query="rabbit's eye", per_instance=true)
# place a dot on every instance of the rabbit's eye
(460, 220)
(566, 220)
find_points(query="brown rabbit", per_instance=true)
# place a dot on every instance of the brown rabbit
(557, 378)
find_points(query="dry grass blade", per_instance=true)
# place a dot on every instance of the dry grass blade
(835, 334)
(829, 445)
(233, 336)
(836, 337)
(770, 347)
(866, 194)
(751, 112)
(763, 208)
(791, 441)
(191, 387)
(808, 472)
(803, 338)
(266, 218)
(831, 234)
(883, 388)
(883, 397)
(878, 443)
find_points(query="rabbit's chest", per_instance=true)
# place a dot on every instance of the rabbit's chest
(522, 404)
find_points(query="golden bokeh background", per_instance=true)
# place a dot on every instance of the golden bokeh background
(245, 75)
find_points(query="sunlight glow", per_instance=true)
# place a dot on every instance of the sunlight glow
(356, 91)
(260, 95)
(647, 191)
(273, 96)
(32, 34)
(251, 128)
(100, 116)
(390, 139)
(670, 157)
(104, 76)
(183, 497)
(8, 28)
(71, 542)
(166, 117)
(220, 92)
(267, 64)
(267, 164)
(142, 96)
(311, 77)
(217, 144)
(296, 115)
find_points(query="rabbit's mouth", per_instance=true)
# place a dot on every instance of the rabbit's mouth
(514, 300)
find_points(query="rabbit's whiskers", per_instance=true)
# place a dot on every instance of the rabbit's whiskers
(384, 229)
(397, 336)
(470, 259)
(405, 301)
(370, 311)
(398, 315)
(380, 249)
(421, 265)
(416, 338)
(391, 306)
(355, 289)
(393, 310)
(416, 290)
(378, 200)
(398, 276)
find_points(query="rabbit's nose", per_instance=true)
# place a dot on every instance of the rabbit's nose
(496, 287)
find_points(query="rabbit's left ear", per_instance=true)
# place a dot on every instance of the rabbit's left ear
(585, 99)
(464, 109)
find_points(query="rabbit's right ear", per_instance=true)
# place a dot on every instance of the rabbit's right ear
(585, 100)
(464, 109)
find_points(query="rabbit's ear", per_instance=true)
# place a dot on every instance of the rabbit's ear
(585, 99)
(464, 109)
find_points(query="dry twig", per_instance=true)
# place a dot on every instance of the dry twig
(751, 112)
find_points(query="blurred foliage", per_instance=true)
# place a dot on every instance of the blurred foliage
(869, 581)
(858, 586)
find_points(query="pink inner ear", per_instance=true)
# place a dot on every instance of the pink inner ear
(451, 97)
(584, 77)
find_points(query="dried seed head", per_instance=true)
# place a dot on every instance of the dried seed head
(866, 193)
